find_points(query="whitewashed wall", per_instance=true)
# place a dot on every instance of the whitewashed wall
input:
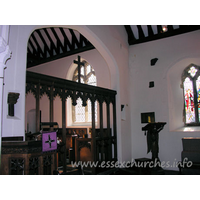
(165, 98)
(15, 81)
(110, 42)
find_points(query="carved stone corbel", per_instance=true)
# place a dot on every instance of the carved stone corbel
(12, 100)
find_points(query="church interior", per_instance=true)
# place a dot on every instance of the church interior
(120, 95)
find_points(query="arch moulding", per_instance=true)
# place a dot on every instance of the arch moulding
(113, 67)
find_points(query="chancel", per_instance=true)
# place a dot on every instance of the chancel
(85, 94)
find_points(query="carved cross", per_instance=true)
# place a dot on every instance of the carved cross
(79, 63)
(49, 141)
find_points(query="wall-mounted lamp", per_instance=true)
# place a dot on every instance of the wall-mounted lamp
(164, 28)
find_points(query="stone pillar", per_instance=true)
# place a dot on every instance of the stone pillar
(5, 54)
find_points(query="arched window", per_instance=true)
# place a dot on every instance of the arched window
(81, 114)
(191, 92)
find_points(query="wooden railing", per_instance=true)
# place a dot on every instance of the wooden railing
(40, 84)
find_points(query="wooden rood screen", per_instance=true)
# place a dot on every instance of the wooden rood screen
(104, 141)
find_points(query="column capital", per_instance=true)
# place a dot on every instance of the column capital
(3, 44)
(5, 52)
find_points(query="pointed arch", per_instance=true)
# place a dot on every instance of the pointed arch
(191, 94)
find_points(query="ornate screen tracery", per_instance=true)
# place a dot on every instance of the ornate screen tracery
(81, 114)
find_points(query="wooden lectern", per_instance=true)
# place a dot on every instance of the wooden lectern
(152, 130)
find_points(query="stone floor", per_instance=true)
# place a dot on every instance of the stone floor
(117, 171)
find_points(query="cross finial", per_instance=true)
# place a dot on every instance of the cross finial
(79, 63)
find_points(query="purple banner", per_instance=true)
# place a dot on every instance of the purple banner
(49, 141)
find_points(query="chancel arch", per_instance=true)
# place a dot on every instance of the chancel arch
(73, 92)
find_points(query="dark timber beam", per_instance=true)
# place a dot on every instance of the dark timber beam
(170, 28)
(59, 44)
(181, 30)
(68, 48)
(74, 39)
(150, 31)
(62, 55)
(38, 46)
(159, 28)
(35, 52)
(66, 40)
(83, 39)
(140, 32)
(46, 48)
(131, 37)
(28, 50)
(52, 45)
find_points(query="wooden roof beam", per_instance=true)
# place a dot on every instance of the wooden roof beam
(140, 32)
(131, 37)
(38, 46)
(35, 52)
(74, 39)
(150, 31)
(46, 48)
(66, 40)
(53, 47)
(59, 44)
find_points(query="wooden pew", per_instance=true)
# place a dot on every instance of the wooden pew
(71, 135)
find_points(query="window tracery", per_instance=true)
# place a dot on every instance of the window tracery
(191, 94)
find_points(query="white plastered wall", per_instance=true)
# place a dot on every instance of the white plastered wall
(165, 98)
(111, 43)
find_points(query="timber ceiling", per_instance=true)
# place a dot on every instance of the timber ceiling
(52, 43)
(145, 33)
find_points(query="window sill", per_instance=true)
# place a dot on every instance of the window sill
(83, 124)
(188, 129)
(12, 117)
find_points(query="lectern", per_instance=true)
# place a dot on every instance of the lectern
(152, 130)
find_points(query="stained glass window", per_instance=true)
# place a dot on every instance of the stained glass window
(80, 113)
(189, 101)
(191, 90)
(198, 95)
(192, 71)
